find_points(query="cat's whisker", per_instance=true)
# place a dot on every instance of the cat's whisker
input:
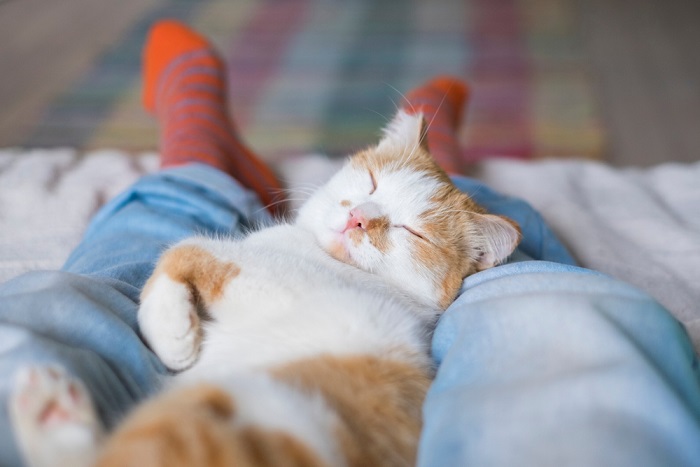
(396, 106)
(442, 101)
(308, 185)
(290, 181)
(405, 156)
(384, 117)
(275, 203)
(475, 192)
(300, 192)
(403, 96)
(301, 187)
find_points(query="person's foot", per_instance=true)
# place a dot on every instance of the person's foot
(185, 86)
(442, 101)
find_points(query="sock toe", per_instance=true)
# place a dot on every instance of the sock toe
(167, 40)
(444, 95)
(455, 89)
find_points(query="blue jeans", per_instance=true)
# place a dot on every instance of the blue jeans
(540, 362)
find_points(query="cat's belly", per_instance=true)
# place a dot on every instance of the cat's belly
(267, 323)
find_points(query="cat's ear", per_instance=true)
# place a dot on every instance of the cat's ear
(496, 238)
(405, 132)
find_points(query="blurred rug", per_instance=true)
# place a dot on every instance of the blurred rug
(324, 76)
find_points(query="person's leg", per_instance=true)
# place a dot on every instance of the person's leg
(548, 364)
(185, 86)
(83, 318)
(441, 101)
(200, 155)
(200, 152)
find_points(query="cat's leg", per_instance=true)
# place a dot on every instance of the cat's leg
(186, 282)
(53, 418)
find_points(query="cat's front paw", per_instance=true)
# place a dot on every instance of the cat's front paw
(53, 418)
(169, 322)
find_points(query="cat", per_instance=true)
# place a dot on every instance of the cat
(304, 343)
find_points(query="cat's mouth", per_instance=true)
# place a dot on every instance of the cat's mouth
(338, 251)
(339, 248)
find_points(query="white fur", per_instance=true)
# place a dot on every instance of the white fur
(404, 131)
(169, 323)
(69, 439)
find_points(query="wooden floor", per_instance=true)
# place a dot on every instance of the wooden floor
(643, 55)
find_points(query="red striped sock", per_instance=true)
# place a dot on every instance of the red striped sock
(185, 86)
(441, 100)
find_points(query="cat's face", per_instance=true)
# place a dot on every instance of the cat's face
(393, 212)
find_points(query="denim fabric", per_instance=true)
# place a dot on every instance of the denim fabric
(547, 364)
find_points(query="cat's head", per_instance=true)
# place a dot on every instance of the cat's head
(393, 212)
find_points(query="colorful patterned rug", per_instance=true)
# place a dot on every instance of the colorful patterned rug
(324, 76)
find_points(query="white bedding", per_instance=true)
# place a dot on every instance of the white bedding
(642, 226)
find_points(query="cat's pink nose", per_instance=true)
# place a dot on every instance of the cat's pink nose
(357, 220)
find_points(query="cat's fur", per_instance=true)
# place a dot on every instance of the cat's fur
(303, 343)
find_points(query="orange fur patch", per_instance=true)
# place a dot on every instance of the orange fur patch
(379, 403)
(206, 275)
(193, 427)
(356, 235)
(378, 232)
(450, 252)
(345, 203)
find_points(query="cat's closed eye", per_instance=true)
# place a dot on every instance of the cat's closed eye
(411, 231)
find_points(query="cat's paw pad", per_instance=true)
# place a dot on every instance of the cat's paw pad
(53, 416)
(169, 322)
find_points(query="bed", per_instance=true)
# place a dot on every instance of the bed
(638, 225)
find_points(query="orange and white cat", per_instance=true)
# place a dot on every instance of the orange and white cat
(305, 343)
